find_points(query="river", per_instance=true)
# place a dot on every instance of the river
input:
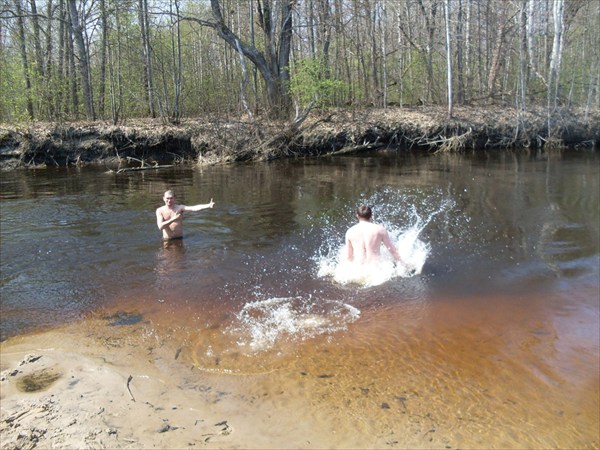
(493, 342)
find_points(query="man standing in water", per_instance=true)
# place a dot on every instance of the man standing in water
(363, 240)
(169, 218)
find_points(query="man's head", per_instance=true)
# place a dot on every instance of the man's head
(169, 197)
(364, 212)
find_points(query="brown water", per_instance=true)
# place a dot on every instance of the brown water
(495, 343)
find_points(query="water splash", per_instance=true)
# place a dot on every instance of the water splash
(264, 323)
(391, 209)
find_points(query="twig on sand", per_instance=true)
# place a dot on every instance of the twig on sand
(129, 381)
(16, 416)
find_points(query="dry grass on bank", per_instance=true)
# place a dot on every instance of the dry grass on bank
(209, 140)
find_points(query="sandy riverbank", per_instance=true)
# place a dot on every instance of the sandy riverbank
(67, 392)
(66, 389)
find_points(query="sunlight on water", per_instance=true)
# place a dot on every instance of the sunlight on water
(262, 323)
(491, 343)
(393, 207)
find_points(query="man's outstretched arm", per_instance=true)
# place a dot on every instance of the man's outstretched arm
(199, 207)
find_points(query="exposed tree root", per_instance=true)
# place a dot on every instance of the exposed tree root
(339, 132)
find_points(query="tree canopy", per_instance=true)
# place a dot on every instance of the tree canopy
(64, 60)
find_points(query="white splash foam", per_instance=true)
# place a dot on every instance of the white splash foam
(263, 323)
(414, 251)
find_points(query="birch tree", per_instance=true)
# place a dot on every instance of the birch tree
(448, 57)
(558, 10)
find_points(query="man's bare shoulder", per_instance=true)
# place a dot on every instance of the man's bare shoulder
(175, 208)
(354, 229)
(380, 228)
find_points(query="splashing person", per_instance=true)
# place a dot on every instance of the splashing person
(363, 240)
(360, 260)
(169, 218)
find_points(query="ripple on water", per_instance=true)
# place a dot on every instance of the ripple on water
(273, 327)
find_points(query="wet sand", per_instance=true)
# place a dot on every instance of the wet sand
(441, 375)
(63, 389)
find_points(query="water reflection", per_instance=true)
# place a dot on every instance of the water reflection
(492, 222)
(170, 256)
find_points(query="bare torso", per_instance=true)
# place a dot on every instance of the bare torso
(363, 242)
(174, 229)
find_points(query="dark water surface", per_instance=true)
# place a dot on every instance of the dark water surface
(497, 336)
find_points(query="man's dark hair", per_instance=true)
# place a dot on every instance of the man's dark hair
(364, 212)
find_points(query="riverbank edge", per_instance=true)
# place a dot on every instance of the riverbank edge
(69, 388)
(205, 141)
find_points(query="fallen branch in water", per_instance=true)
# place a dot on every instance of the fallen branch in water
(453, 143)
(356, 149)
(132, 169)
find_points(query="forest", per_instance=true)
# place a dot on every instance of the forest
(114, 61)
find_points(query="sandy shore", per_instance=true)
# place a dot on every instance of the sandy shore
(73, 396)
(66, 389)
(92, 385)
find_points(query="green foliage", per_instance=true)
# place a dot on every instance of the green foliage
(414, 77)
(13, 101)
(310, 83)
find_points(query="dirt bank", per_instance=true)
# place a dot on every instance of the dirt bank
(210, 141)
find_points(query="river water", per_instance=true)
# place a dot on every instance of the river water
(493, 342)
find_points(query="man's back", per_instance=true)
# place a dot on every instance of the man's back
(363, 242)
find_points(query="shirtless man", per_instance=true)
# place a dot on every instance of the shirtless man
(169, 218)
(363, 240)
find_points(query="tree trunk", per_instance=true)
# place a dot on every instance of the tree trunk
(103, 58)
(430, 27)
(71, 69)
(84, 66)
(384, 68)
(177, 69)
(497, 53)
(556, 56)
(24, 60)
(273, 63)
(117, 91)
(61, 70)
(47, 87)
(460, 94)
(448, 57)
(146, 53)
(467, 46)
(522, 76)
(37, 43)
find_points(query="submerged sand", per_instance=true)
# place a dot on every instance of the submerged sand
(92, 385)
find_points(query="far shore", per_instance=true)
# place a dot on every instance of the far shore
(147, 143)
